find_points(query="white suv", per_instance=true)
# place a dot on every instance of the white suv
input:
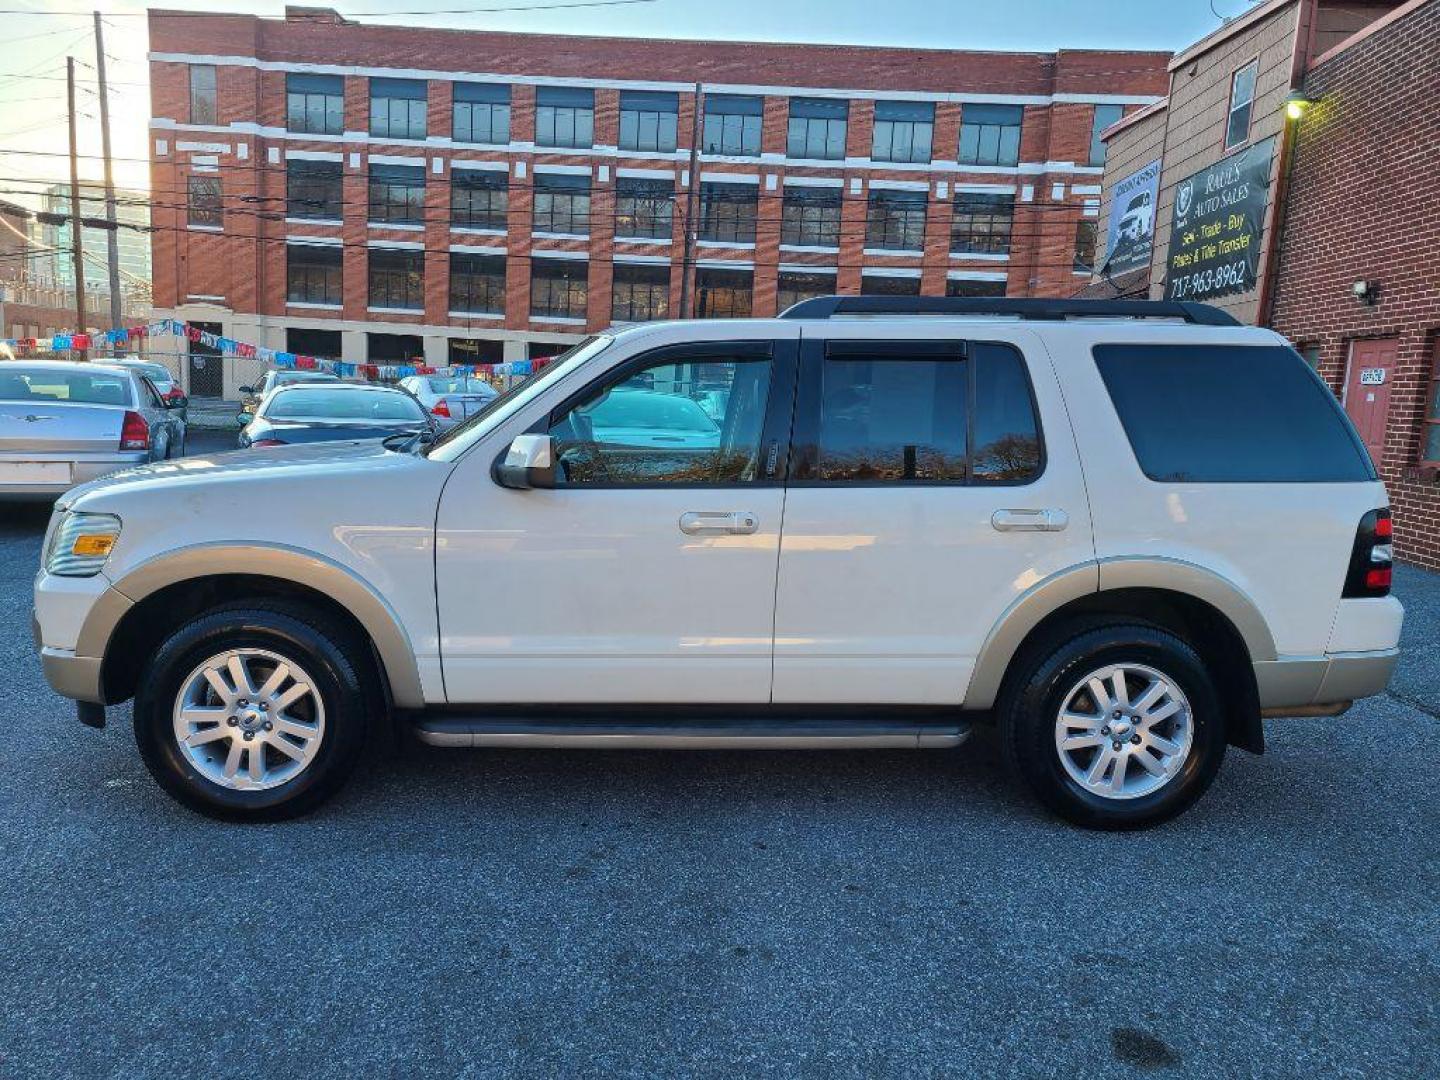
(1120, 532)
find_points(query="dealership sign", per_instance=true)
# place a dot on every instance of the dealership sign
(1132, 220)
(1219, 215)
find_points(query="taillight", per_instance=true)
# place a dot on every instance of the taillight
(1372, 559)
(441, 408)
(260, 444)
(134, 432)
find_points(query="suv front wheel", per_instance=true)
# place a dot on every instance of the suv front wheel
(254, 711)
(1118, 727)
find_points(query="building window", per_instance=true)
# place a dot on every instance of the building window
(479, 198)
(810, 217)
(903, 131)
(476, 351)
(723, 294)
(394, 348)
(204, 102)
(896, 220)
(315, 103)
(817, 128)
(559, 288)
(982, 223)
(324, 343)
(1242, 104)
(640, 293)
(727, 212)
(889, 285)
(204, 202)
(397, 108)
(1085, 238)
(1430, 445)
(795, 286)
(477, 284)
(313, 190)
(974, 287)
(647, 120)
(990, 134)
(732, 125)
(1105, 115)
(564, 116)
(562, 203)
(644, 208)
(397, 194)
(313, 274)
(397, 279)
(481, 113)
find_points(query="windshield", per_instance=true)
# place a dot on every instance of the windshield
(342, 404)
(460, 386)
(518, 394)
(81, 388)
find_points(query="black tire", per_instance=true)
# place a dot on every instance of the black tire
(339, 665)
(1031, 703)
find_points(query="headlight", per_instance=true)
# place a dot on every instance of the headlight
(81, 544)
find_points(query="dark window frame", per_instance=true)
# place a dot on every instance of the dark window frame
(717, 298)
(479, 199)
(891, 219)
(644, 209)
(1103, 117)
(389, 267)
(573, 290)
(806, 117)
(561, 204)
(204, 201)
(788, 297)
(982, 223)
(739, 126)
(972, 287)
(627, 301)
(314, 190)
(386, 181)
(805, 209)
(726, 217)
(203, 111)
(480, 110)
(399, 108)
(564, 112)
(1430, 425)
(649, 121)
(805, 446)
(894, 137)
(477, 284)
(979, 131)
(318, 281)
(1087, 238)
(1232, 109)
(301, 104)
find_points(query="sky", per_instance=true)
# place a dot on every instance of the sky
(39, 34)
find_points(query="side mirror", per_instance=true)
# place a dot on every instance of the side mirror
(247, 389)
(178, 402)
(529, 463)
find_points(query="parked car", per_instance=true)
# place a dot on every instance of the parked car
(254, 395)
(450, 398)
(1122, 533)
(159, 375)
(328, 412)
(63, 423)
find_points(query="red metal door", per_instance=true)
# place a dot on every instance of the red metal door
(1367, 390)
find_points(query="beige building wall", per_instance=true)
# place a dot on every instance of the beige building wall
(1199, 107)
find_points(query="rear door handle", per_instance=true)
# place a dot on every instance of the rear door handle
(718, 523)
(1029, 520)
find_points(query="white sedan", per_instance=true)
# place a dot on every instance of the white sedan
(450, 398)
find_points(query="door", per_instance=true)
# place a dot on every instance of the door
(932, 483)
(647, 575)
(1367, 391)
(207, 365)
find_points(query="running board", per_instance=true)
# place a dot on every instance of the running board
(711, 733)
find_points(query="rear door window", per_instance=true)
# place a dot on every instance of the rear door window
(1230, 414)
(921, 412)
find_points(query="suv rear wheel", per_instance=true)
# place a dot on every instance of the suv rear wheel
(254, 711)
(1116, 727)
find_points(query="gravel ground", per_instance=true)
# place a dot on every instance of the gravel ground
(720, 914)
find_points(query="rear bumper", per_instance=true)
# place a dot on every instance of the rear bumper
(1289, 685)
(82, 471)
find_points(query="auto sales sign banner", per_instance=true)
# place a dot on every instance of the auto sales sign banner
(1132, 220)
(1215, 232)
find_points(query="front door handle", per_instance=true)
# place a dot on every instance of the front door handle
(718, 523)
(1029, 520)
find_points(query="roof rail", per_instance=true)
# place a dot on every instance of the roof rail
(827, 307)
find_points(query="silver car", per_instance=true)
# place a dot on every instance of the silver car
(63, 423)
(450, 398)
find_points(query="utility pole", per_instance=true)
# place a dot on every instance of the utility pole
(687, 259)
(78, 244)
(112, 233)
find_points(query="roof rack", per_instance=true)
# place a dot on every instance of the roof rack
(827, 307)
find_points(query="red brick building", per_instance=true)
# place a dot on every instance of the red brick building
(1358, 283)
(378, 192)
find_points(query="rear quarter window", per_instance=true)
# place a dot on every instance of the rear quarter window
(1230, 414)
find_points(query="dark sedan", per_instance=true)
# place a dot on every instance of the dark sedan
(325, 412)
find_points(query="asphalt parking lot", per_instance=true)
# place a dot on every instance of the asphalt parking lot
(736, 914)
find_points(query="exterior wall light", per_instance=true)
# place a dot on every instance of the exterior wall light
(1367, 292)
(1296, 102)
